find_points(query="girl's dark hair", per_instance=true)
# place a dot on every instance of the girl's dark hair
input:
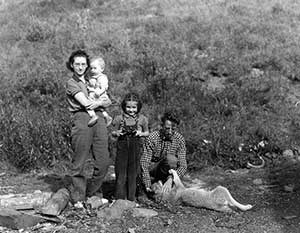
(77, 53)
(170, 116)
(132, 97)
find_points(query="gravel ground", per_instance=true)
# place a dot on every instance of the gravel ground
(274, 192)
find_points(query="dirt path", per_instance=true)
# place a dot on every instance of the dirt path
(276, 205)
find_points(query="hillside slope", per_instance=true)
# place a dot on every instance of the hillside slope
(229, 68)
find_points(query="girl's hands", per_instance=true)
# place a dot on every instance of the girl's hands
(117, 133)
(142, 134)
(139, 133)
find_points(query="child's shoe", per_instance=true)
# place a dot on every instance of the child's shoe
(93, 121)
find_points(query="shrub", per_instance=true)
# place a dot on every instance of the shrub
(38, 31)
(33, 138)
(167, 52)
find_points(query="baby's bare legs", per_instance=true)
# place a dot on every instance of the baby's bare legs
(108, 118)
(93, 119)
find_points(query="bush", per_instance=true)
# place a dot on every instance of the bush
(38, 31)
(35, 123)
(169, 54)
(33, 138)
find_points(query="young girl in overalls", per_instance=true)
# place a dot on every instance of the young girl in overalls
(131, 127)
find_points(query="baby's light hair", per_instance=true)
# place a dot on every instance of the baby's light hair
(100, 61)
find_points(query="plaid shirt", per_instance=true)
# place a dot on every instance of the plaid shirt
(153, 151)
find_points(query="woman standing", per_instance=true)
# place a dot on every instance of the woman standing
(85, 138)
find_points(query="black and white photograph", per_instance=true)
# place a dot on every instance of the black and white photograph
(150, 116)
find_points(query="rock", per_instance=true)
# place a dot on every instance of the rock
(116, 210)
(288, 154)
(289, 188)
(14, 219)
(96, 201)
(257, 181)
(57, 203)
(143, 212)
(131, 230)
(24, 201)
(215, 83)
(289, 217)
(255, 72)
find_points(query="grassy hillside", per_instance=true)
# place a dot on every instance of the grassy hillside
(229, 68)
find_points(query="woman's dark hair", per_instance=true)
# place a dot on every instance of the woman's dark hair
(170, 116)
(77, 53)
(132, 97)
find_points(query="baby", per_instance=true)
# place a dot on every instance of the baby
(97, 87)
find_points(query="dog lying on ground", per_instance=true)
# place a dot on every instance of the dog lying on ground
(218, 199)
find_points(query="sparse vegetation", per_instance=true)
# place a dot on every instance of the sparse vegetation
(230, 68)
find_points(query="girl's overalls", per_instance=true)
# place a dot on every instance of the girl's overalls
(127, 164)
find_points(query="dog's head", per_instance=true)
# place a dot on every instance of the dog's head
(157, 190)
(159, 195)
(157, 187)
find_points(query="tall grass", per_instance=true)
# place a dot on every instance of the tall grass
(196, 57)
